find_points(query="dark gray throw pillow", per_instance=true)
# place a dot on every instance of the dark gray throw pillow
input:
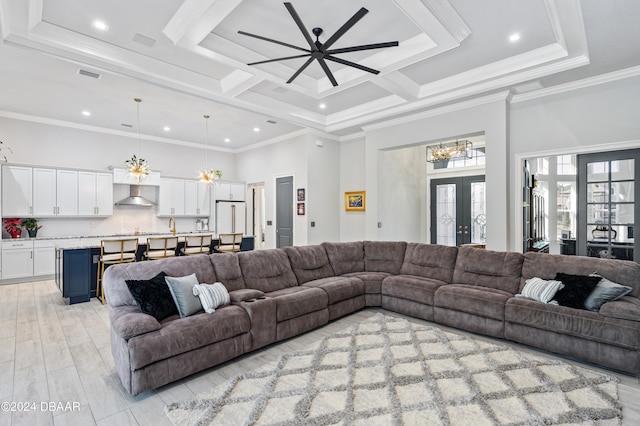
(576, 289)
(605, 291)
(153, 296)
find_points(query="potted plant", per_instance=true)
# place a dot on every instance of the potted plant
(31, 225)
(12, 226)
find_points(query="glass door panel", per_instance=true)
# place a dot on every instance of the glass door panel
(607, 213)
(446, 214)
(458, 213)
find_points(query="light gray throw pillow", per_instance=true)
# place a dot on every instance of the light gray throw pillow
(605, 291)
(182, 291)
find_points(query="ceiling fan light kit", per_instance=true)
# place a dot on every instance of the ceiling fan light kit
(319, 51)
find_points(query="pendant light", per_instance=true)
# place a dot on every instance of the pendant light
(207, 175)
(138, 167)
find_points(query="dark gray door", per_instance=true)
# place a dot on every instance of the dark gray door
(458, 214)
(284, 211)
(607, 211)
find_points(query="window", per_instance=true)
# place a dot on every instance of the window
(566, 164)
(477, 159)
(542, 166)
(566, 213)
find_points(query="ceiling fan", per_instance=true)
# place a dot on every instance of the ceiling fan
(320, 51)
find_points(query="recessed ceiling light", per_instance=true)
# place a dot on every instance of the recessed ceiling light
(166, 128)
(514, 37)
(227, 140)
(256, 129)
(86, 113)
(322, 106)
(99, 25)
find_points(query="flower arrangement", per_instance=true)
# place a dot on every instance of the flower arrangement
(12, 226)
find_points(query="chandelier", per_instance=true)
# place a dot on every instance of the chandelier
(3, 155)
(449, 151)
(138, 167)
(208, 176)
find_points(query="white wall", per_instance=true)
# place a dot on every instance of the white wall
(323, 192)
(265, 164)
(352, 178)
(488, 115)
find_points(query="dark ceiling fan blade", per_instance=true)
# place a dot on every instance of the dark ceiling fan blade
(363, 47)
(343, 29)
(279, 59)
(327, 71)
(352, 64)
(272, 41)
(303, 29)
(297, 73)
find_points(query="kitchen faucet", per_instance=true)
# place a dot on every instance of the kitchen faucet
(173, 230)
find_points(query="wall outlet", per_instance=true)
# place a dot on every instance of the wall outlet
(313, 224)
(379, 224)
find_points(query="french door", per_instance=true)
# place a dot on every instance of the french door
(607, 212)
(458, 214)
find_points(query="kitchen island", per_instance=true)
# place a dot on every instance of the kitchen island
(77, 267)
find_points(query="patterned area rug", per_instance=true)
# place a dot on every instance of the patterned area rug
(390, 371)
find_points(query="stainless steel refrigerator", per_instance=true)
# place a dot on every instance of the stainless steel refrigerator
(230, 217)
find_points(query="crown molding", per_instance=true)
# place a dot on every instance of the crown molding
(496, 97)
(578, 84)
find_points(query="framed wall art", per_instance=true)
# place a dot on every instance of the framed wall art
(355, 201)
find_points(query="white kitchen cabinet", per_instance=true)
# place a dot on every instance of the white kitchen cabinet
(17, 259)
(17, 190)
(230, 190)
(196, 198)
(55, 192)
(44, 258)
(172, 197)
(95, 194)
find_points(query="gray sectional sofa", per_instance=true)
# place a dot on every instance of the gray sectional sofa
(279, 293)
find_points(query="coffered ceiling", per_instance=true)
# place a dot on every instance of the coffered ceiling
(186, 59)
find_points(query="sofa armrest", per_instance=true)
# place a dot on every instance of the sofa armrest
(244, 294)
(129, 321)
(627, 308)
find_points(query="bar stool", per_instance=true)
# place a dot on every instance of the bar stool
(229, 242)
(111, 253)
(197, 244)
(161, 247)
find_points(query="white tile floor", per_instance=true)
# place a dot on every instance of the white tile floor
(53, 352)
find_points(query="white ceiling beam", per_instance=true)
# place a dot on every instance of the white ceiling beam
(195, 19)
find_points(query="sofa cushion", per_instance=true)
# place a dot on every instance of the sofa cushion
(384, 256)
(372, 280)
(627, 308)
(309, 263)
(185, 334)
(482, 301)
(297, 301)
(546, 266)
(338, 288)
(429, 261)
(228, 272)
(267, 270)
(153, 296)
(115, 286)
(409, 287)
(574, 322)
(345, 258)
(487, 268)
(245, 294)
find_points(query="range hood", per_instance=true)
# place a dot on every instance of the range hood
(135, 199)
